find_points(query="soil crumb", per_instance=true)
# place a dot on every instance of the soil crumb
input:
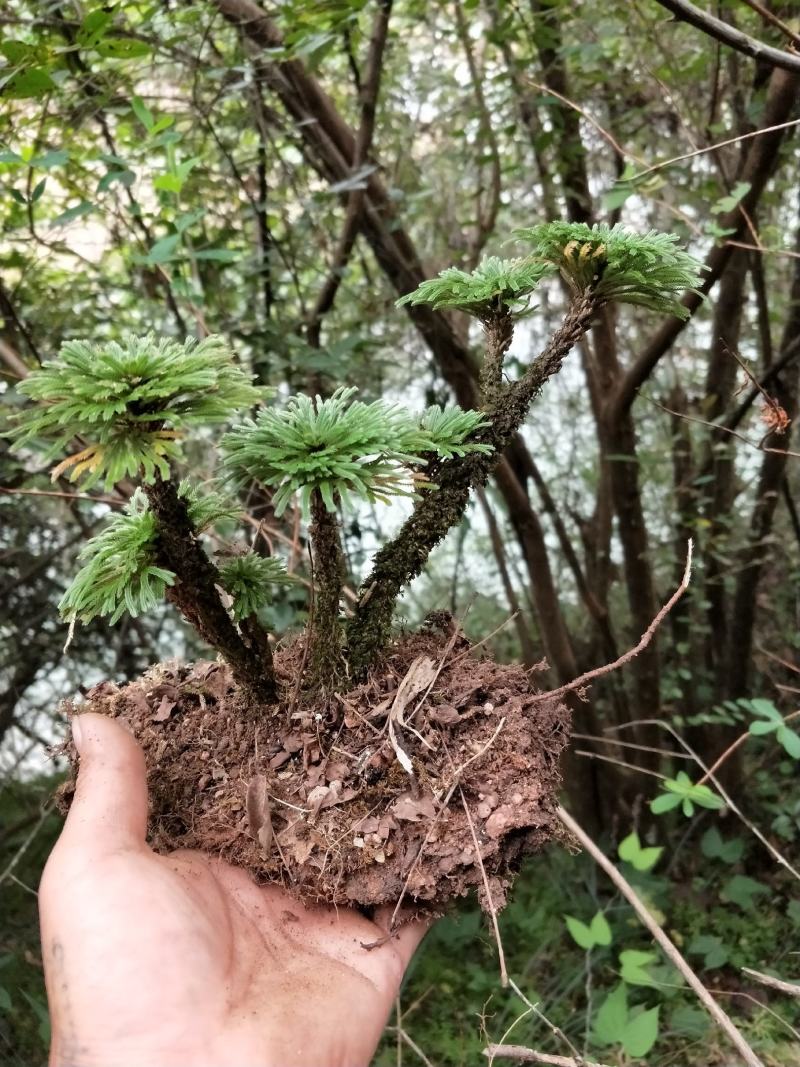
(367, 796)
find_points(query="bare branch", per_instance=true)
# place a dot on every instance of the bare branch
(645, 640)
(722, 31)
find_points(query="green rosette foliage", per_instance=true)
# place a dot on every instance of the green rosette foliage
(250, 580)
(493, 284)
(629, 268)
(343, 448)
(121, 572)
(130, 401)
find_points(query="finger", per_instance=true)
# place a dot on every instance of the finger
(109, 810)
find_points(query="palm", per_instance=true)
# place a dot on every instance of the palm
(183, 959)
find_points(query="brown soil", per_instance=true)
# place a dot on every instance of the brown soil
(314, 794)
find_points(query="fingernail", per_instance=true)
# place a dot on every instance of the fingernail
(77, 733)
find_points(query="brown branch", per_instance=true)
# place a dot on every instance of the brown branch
(722, 31)
(528, 1055)
(768, 16)
(368, 93)
(668, 948)
(486, 215)
(644, 641)
(792, 988)
(756, 171)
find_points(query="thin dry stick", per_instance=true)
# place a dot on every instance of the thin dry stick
(627, 890)
(768, 16)
(645, 640)
(556, 1030)
(403, 1036)
(711, 148)
(764, 250)
(501, 956)
(757, 445)
(774, 983)
(624, 152)
(528, 1055)
(732, 748)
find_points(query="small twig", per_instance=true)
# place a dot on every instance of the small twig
(712, 148)
(668, 948)
(528, 1055)
(759, 446)
(619, 763)
(792, 988)
(501, 956)
(645, 640)
(556, 1030)
(403, 1036)
(732, 748)
(768, 16)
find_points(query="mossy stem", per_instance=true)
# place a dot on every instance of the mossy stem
(439, 510)
(196, 596)
(326, 635)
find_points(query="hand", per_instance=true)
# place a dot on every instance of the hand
(155, 961)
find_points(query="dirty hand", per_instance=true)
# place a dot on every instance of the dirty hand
(182, 959)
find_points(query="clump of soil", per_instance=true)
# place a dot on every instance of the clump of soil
(364, 797)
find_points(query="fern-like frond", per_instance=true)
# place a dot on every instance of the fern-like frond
(207, 507)
(250, 580)
(130, 400)
(449, 428)
(494, 282)
(620, 265)
(120, 573)
(339, 446)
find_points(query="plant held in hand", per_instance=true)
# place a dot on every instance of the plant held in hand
(329, 763)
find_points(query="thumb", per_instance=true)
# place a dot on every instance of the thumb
(109, 810)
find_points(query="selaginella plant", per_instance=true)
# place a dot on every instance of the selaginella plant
(330, 762)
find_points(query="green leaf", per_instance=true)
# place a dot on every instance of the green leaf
(712, 948)
(641, 859)
(124, 177)
(616, 196)
(728, 203)
(793, 911)
(162, 251)
(57, 158)
(641, 1033)
(612, 1017)
(219, 255)
(581, 933)
(38, 190)
(29, 84)
(713, 846)
(759, 728)
(142, 112)
(72, 213)
(632, 966)
(664, 802)
(122, 48)
(168, 183)
(790, 741)
(600, 930)
(742, 891)
(5, 1000)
